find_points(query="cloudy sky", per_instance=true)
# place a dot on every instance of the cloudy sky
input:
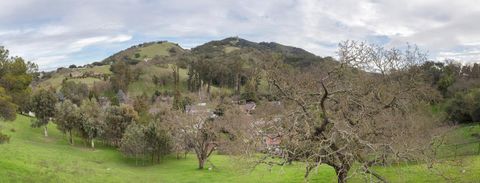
(56, 33)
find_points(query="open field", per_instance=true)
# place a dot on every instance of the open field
(157, 49)
(30, 157)
(56, 80)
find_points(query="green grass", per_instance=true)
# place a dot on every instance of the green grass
(160, 49)
(464, 133)
(31, 157)
(56, 80)
(462, 140)
(146, 85)
(229, 49)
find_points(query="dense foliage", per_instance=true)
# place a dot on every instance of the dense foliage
(459, 86)
(43, 105)
(15, 78)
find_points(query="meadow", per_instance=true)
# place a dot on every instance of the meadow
(31, 157)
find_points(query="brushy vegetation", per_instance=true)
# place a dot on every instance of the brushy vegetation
(31, 157)
(57, 78)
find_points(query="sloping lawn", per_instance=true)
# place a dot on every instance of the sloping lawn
(31, 157)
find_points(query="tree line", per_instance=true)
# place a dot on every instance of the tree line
(16, 74)
(459, 88)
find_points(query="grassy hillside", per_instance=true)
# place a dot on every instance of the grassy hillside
(158, 49)
(30, 157)
(145, 84)
(145, 51)
(462, 140)
(56, 80)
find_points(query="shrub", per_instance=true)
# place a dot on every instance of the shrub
(4, 138)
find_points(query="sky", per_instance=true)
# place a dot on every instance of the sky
(55, 33)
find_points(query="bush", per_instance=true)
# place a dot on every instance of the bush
(4, 138)
(464, 107)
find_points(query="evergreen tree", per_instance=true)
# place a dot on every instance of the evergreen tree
(43, 105)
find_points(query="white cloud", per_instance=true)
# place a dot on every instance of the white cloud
(59, 30)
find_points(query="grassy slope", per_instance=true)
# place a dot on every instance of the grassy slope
(56, 80)
(145, 84)
(153, 50)
(467, 136)
(30, 157)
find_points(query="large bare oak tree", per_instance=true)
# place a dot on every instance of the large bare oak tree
(370, 109)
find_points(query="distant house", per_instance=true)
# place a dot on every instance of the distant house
(104, 102)
(154, 110)
(195, 109)
(122, 97)
(249, 107)
(272, 143)
(200, 109)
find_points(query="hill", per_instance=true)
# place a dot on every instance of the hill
(87, 75)
(224, 65)
(297, 57)
(146, 52)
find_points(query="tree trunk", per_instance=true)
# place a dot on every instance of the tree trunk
(342, 174)
(45, 131)
(208, 86)
(237, 84)
(70, 138)
(93, 143)
(201, 163)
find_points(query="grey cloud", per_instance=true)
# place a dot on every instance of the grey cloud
(50, 31)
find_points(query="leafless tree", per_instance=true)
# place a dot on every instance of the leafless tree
(204, 132)
(370, 109)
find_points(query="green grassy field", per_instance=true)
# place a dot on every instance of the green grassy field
(56, 80)
(160, 49)
(462, 140)
(31, 157)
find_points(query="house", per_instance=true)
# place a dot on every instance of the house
(122, 97)
(249, 107)
(272, 143)
(195, 109)
(104, 102)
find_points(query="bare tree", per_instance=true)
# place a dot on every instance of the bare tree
(369, 108)
(204, 132)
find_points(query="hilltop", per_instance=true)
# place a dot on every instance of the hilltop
(213, 62)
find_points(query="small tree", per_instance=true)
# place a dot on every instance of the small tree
(68, 118)
(122, 75)
(75, 92)
(7, 107)
(158, 141)
(93, 125)
(117, 119)
(204, 132)
(43, 105)
(133, 142)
